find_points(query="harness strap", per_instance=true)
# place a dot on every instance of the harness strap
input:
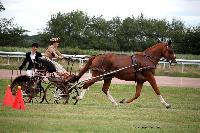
(134, 62)
(147, 55)
(151, 57)
(135, 65)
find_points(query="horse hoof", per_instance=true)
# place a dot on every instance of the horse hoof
(123, 101)
(168, 106)
(77, 98)
(115, 104)
(74, 97)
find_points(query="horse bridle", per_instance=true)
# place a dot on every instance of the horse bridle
(150, 57)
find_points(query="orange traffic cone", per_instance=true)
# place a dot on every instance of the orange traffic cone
(8, 99)
(19, 102)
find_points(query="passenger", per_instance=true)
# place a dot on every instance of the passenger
(52, 52)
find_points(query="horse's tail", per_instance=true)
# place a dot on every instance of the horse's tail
(86, 67)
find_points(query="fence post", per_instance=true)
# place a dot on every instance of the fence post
(182, 67)
(8, 62)
(164, 65)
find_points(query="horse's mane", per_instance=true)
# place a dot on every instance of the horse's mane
(156, 45)
(110, 54)
(137, 53)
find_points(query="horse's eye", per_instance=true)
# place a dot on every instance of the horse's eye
(168, 47)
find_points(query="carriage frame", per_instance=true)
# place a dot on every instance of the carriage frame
(45, 85)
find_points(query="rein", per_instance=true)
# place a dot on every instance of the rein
(81, 83)
(153, 57)
(134, 64)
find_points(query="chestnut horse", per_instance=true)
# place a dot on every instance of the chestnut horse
(141, 68)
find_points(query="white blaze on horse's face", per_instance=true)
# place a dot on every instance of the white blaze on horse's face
(174, 56)
(168, 53)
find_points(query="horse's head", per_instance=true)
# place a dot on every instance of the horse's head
(168, 53)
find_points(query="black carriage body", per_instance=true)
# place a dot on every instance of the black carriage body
(46, 65)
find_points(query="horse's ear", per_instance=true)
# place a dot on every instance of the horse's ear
(169, 42)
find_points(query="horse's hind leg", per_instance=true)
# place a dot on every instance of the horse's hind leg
(137, 93)
(105, 89)
(86, 85)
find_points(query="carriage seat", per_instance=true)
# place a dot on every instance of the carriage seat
(46, 65)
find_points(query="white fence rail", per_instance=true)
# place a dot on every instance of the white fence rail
(83, 58)
(19, 55)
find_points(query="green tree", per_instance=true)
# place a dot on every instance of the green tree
(99, 32)
(69, 27)
(10, 34)
(78, 30)
(114, 26)
(192, 40)
(1, 7)
(177, 32)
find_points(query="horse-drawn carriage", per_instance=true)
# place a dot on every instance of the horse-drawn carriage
(139, 67)
(45, 85)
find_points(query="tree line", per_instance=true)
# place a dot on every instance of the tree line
(78, 30)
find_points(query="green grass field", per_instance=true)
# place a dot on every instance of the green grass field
(96, 114)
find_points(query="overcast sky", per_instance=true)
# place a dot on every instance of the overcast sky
(33, 15)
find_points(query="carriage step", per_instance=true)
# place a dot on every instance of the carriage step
(56, 79)
(63, 94)
(24, 94)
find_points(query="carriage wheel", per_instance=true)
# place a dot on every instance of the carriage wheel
(48, 94)
(53, 94)
(23, 85)
(38, 94)
(29, 92)
(73, 93)
(60, 95)
(60, 92)
(65, 96)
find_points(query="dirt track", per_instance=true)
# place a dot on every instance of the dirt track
(161, 80)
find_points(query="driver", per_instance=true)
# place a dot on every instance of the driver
(31, 58)
(52, 52)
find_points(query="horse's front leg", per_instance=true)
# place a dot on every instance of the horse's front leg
(152, 81)
(105, 89)
(137, 93)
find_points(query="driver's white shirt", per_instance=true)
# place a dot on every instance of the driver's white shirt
(32, 55)
(32, 71)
